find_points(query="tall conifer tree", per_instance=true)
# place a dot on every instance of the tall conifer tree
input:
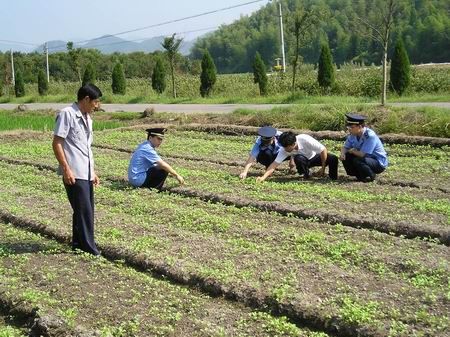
(89, 75)
(325, 74)
(118, 85)
(259, 74)
(159, 77)
(42, 83)
(208, 75)
(400, 74)
(19, 87)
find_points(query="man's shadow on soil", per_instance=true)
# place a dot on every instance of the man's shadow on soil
(290, 178)
(119, 184)
(17, 248)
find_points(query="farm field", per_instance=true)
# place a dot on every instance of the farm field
(72, 292)
(396, 203)
(300, 249)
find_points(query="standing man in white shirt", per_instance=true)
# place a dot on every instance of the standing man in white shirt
(72, 139)
(307, 152)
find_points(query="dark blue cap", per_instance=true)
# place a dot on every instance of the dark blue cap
(267, 132)
(158, 132)
(355, 119)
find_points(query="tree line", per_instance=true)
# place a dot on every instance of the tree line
(306, 22)
(423, 25)
(70, 66)
(399, 80)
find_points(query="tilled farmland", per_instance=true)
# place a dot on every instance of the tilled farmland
(224, 257)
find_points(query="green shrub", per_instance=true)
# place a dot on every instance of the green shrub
(89, 75)
(259, 74)
(351, 80)
(208, 75)
(159, 77)
(325, 75)
(19, 87)
(42, 83)
(118, 80)
(400, 75)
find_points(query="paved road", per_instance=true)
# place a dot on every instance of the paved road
(192, 108)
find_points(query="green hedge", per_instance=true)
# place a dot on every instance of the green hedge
(350, 81)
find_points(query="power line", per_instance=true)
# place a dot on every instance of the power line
(19, 42)
(186, 18)
(167, 22)
(141, 39)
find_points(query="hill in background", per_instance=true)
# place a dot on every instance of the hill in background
(425, 29)
(109, 44)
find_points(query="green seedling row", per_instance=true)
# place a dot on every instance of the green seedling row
(355, 278)
(409, 165)
(391, 206)
(381, 202)
(75, 289)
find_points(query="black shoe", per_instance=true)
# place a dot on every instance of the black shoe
(368, 179)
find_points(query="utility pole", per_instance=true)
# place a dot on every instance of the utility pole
(283, 55)
(12, 69)
(46, 58)
(282, 37)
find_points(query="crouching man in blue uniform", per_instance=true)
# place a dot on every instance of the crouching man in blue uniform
(265, 149)
(146, 168)
(363, 154)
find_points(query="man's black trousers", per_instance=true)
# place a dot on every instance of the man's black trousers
(303, 164)
(155, 178)
(81, 198)
(363, 168)
(266, 157)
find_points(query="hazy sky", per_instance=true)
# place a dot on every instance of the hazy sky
(37, 21)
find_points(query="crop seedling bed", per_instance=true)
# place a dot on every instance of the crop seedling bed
(388, 208)
(356, 279)
(420, 166)
(71, 292)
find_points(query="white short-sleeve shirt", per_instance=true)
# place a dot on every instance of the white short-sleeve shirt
(307, 146)
(76, 129)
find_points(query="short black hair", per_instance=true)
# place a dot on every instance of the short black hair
(90, 90)
(287, 138)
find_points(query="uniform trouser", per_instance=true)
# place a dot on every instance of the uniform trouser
(81, 198)
(155, 178)
(363, 168)
(303, 164)
(266, 157)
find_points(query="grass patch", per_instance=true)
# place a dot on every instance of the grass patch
(423, 121)
(45, 121)
(280, 98)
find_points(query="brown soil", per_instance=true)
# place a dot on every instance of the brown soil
(332, 135)
(101, 294)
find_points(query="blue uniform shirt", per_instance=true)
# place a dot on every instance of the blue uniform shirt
(143, 158)
(257, 147)
(370, 144)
